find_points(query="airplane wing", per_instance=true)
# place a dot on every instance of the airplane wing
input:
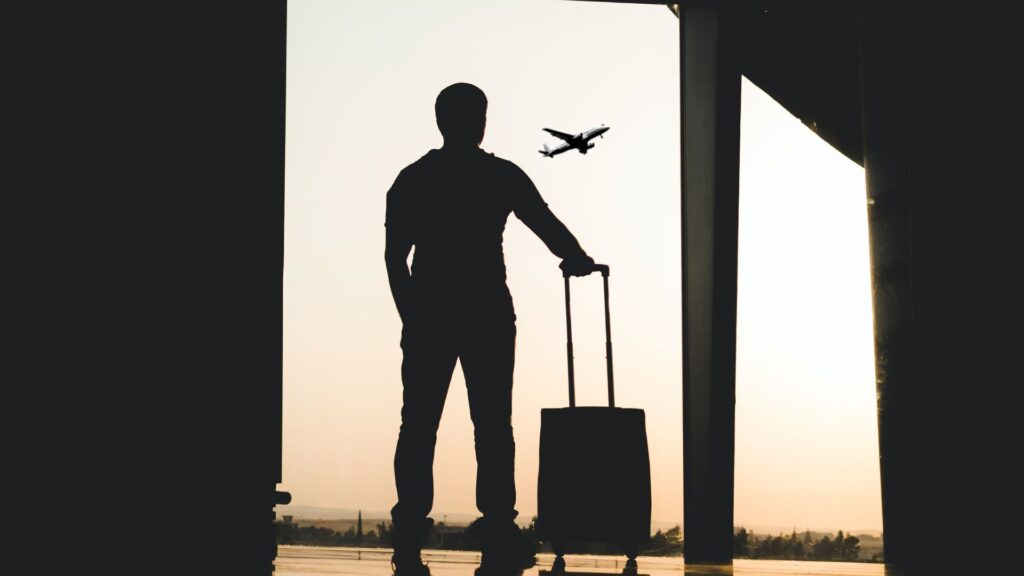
(557, 134)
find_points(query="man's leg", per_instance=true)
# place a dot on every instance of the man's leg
(488, 359)
(428, 361)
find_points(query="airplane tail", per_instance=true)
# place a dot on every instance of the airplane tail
(546, 151)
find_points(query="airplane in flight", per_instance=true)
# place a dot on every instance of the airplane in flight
(581, 141)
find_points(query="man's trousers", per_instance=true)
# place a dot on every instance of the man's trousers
(487, 353)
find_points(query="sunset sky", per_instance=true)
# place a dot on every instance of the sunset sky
(362, 79)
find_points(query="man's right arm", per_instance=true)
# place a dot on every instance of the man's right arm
(398, 243)
(534, 212)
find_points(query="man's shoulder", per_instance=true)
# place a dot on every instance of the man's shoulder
(435, 162)
(414, 172)
(501, 163)
(506, 170)
(421, 163)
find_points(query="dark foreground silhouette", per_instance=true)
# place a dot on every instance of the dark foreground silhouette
(452, 205)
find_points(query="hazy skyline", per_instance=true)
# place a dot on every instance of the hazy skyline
(362, 78)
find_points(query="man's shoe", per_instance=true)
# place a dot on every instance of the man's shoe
(506, 548)
(407, 540)
(409, 565)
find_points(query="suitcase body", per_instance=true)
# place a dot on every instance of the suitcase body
(594, 481)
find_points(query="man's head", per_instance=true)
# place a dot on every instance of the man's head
(461, 111)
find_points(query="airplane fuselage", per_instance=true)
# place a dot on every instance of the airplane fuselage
(594, 133)
(580, 142)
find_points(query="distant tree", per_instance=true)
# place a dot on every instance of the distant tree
(769, 547)
(384, 533)
(740, 541)
(674, 534)
(283, 531)
(799, 552)
(850, 548)
(656, 543)
(777, 549)
(792, 547)
(667, 543)
(822, 549)
(781, 547)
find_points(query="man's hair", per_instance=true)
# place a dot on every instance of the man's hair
(461, 111)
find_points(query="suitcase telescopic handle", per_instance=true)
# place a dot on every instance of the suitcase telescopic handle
(605, 271)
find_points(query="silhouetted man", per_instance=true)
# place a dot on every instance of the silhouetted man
(452, 205)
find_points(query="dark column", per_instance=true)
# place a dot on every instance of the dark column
(889, 221)
(710, 176)
(148, 152)
(942, 137)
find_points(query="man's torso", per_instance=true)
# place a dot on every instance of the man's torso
(454, 207)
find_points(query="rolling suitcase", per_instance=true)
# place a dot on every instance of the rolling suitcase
(594, 482)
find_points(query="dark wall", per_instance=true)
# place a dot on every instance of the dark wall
(942, 140)
(145, 201)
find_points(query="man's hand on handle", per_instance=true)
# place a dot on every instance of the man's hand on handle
(580, 266)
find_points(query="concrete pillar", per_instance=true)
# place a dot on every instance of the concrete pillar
(710, 176)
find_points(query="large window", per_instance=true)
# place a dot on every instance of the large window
(362, 78)
(806, 431)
